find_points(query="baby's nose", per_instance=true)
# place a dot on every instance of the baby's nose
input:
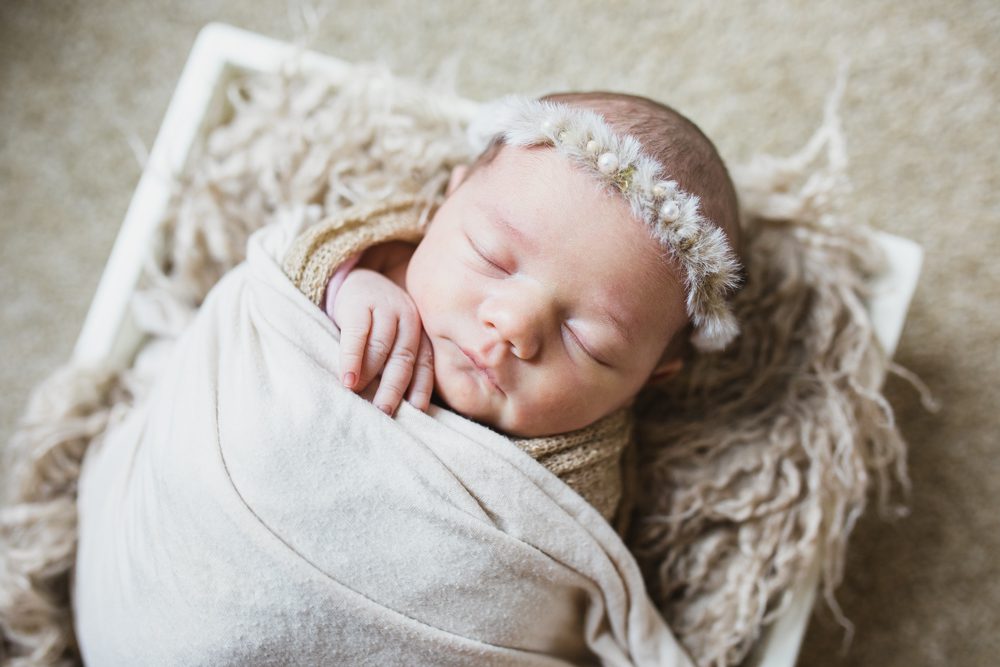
(521, 319)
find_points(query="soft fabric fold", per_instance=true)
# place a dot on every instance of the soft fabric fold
(252, 510)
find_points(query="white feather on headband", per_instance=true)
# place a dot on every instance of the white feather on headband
(673, 216)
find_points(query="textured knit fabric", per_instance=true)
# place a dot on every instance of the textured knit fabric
(316, 254)
(589, 460)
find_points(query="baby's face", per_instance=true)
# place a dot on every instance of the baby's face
(546, 303)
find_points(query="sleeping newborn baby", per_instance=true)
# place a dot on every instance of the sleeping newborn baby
(267, 515)
(575, 261)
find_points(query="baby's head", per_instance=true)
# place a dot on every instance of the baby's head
(569, 265)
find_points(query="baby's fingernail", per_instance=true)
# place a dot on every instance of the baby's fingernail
(350, 379)
(387, 409)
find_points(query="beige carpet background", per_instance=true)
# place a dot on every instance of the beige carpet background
(920, 114)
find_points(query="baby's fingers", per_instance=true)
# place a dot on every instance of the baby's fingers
(399, 368)
(380, 344)
(422, 384)
(354, 329)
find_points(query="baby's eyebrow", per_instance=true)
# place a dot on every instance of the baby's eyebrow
(623, 331)
(497, 217)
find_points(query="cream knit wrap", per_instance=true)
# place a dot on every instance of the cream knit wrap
(752, 465)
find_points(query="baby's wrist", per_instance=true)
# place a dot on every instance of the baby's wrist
(337, 281)
(387, 259)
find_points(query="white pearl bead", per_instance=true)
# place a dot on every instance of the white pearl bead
(548, 127)
(607, 163)
(670, 211)
(592, 147)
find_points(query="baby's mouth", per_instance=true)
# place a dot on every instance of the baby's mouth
(484, 370)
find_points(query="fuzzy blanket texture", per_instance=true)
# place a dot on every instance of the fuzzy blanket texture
(928, 173)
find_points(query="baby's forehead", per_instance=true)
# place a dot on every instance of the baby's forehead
(538, 197)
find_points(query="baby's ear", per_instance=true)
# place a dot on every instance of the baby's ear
(666, 370)
(457, 176)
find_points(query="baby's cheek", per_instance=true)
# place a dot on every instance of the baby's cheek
(542, 410)
(435, 290)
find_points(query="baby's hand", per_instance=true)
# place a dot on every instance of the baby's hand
(380, 332)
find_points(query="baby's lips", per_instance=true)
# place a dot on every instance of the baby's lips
(481, 367)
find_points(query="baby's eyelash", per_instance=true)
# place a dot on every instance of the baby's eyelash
(583, 348)
(486, 259)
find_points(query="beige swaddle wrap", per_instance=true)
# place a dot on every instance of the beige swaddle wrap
(254, 508)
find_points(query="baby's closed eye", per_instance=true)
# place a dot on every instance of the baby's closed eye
(574, 341)
(486, 257)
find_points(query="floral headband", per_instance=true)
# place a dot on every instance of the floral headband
(672, 215)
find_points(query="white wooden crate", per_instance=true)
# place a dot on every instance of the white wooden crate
(220, 54)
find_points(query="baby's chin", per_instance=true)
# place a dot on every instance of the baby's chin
(460, 393)
(467, 394)
(464, 394)
(512, 426)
